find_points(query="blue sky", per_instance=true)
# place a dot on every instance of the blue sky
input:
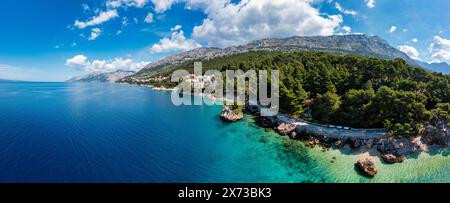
(50, 40)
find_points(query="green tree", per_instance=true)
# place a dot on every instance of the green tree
(354, 108)
(326, 106)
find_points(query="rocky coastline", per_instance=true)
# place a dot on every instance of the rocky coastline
(376, 141)
(228, 115)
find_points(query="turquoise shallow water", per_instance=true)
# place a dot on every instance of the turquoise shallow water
(58, 132)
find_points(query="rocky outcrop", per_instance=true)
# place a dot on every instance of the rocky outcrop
(397, 147)
(367, 167)
(293, 135)
(392, 159)
(229, 115)
(286, 128)
(314, 135)
(435, 136)
(267, 121)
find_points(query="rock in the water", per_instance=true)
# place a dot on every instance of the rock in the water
(392, 159)
(286, 128)
(229, 116)
(367, 167)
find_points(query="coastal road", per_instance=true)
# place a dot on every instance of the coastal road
(332, 132)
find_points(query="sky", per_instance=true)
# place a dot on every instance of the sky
(53, 40)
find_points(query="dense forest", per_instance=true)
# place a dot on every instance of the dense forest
(348, 90)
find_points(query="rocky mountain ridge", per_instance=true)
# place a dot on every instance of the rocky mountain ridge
(109, 77)
(364, 45)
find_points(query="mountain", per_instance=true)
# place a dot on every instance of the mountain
(110, 77)
(5, 80)
(436, 67)
(364, 45)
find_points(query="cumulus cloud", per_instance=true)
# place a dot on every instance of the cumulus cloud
(415, 40)
(440, 50)
(410, 51)
(163, 5)
(370, 3)
(102, 17)
(78, 60)
(345, 11)
(126, 3)
(346, 29)
(177, 27)
(149, 18)
(95, 32)
(230, 23)
(392, 29)
(177, 42)
(81, 62)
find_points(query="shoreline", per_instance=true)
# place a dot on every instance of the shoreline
(368, 144)
(322, 131)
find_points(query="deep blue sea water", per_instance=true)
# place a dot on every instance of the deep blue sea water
(101, 133)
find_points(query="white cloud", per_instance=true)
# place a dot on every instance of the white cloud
(231, 23)
(176, 28)
(238, 23)
(370, 3)
(177, 42)
(163, 5)
(97, 20)
(346, 29)
(81, 62)
(440, 50)
(95, 32)
(126, 3)
(345, 11)
(125, 21)
(415, 40)
(392, 29)
(85, 7)
(410, 51)
(78, 60)
(149, 18)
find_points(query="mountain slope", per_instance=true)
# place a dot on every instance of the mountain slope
(370, 46)
(436, 67)
(110, 77)
(5, 80)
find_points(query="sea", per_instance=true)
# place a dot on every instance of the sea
(117, 133)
